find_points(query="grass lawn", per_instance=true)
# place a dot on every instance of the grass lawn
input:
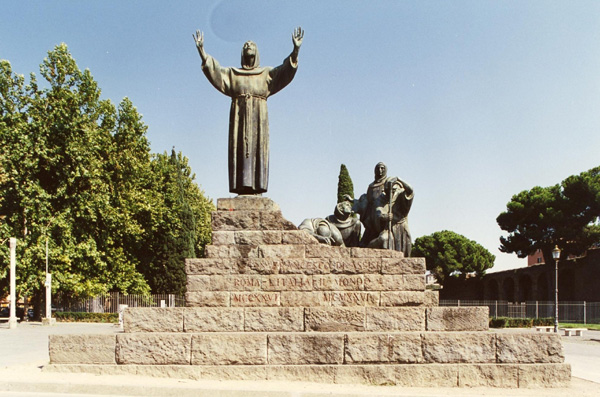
(579, 325)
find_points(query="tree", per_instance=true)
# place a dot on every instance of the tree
(345, 185)
(180, 224)
(450, 254)
(565, 214)
(78, 172)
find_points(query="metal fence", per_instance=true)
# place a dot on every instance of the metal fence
(568, 312)
(109, 303)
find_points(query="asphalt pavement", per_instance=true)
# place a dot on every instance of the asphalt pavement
(24, 351)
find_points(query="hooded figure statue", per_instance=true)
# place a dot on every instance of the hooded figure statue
(249, 87)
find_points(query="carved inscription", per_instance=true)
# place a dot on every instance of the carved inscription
(338, 282)
(287, 283)
(351, 298)
(254, 299)
(243, 283)
(356, 265)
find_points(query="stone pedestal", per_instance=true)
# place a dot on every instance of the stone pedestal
(268, 302)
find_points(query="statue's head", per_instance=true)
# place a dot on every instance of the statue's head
(343, 210)
(380, 171)
(250, 58)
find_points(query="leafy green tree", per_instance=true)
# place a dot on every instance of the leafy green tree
(565, 214)
(180, 221)
(77, 172)
(345, 185)
(448, 254)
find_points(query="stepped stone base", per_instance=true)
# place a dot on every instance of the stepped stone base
(270, 303)
(407, 375)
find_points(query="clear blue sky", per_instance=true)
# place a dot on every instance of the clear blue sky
(469, 101)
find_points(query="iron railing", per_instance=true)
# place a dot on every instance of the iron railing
(568, 312)
(109, 303)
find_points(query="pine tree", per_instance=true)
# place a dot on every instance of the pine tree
(345, 186)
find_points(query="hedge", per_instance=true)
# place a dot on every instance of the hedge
(509, 322)
(86, 317)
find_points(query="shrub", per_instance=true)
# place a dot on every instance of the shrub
(509, 322)
(87, 317)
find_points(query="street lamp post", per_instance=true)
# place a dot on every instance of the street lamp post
(556, 255)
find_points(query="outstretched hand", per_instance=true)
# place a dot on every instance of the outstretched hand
(297, 37)
(199, 39)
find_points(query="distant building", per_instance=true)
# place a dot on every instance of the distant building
(577, 281)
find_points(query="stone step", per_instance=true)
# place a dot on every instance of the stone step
(308, 319)
(300, 348)
(249, 220)
(260, 263)
(310, 298)
(303, 282)
(406, 375)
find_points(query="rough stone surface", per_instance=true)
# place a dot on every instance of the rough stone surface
(281, 251)
(529, 348)
(426, 375)
(153, 319)
(229, 349)
(274, 319)
(403, 266)
(258, 265)
(400, 282)
(455, 347)
(154, 348)
(328, 319)
(82, 349)
(298, 237)
(372, 348)
(395, 319)
(223, 238)
(458, 318)
(432, 298)
(325, 251)
(230, 251)
(198, 283)
(357, 252)
(207, 266)
(302, 373)
(310, 348)
(235, 220)
(303, 299)
(247, 203)
(194, 299)
(403, 298)
(257, 237)
(544, 375)
(272, 220)
(488, 375)
(213, 319)
(376, 375)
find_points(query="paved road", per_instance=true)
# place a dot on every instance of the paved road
(25, 350)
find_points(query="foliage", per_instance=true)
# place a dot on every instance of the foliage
(86, 317)
(450, 254)
(565, 214)
(77, 171)
(509, 322)
(345, 186)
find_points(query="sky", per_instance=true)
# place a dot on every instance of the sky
(470, 102)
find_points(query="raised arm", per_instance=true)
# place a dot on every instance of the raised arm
(199, 39)
(297, 37)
